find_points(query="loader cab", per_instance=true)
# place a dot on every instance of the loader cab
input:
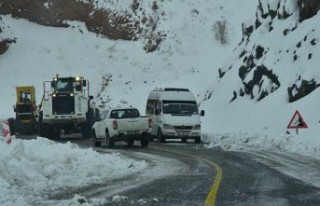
(68, 95)
(25, 110)
(25, 100)
(68, 84)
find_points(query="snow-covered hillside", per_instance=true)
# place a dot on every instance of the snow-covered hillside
(266, 72)
(188, 57)
(270, 75)
(249, 87)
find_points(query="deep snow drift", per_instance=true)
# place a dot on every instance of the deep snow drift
(32, 170)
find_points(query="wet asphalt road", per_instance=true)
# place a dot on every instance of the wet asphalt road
(245, 181)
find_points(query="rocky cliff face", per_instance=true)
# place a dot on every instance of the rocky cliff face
(308, 8)
(261, 64)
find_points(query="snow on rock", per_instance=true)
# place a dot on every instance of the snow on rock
(78, 200)
(142, 202)
(118, 198)
(41, 166)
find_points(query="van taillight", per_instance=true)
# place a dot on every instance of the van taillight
(150, 122)
(115, 124)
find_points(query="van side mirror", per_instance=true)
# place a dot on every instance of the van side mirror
(202, 113)
(157, 111)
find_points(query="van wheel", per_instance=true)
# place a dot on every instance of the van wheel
(161, 138)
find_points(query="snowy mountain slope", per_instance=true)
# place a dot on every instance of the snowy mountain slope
(271, 74)
(189, 56)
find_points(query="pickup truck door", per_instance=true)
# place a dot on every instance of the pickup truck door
(101, 125)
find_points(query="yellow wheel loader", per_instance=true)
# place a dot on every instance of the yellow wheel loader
(25, 108)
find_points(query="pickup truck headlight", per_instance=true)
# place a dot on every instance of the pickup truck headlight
(196, 127)
(167, 126)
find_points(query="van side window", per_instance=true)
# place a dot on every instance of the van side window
(151, 105)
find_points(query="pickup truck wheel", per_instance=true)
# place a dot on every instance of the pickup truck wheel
(95, 142)
(197, 140)
(161, 138)
(109, 140)
(144, 143)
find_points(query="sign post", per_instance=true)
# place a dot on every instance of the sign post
(297, 122)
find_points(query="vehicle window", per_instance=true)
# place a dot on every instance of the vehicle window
(77, 85)
(189, 108)
(126, 113)
(130, 113)
(180, 108)
(171, 109)
(64, 85)
(104, 114)
(25, 96)
(151, 105)
(115, 114)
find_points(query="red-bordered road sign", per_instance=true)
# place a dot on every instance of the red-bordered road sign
(297, 122)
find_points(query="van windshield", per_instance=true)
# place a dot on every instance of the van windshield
(180, 108)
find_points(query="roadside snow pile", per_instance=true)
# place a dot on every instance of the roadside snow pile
(263, 141)
(33, 169)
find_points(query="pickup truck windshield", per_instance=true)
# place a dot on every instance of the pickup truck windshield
(180, 108)
(124, 113)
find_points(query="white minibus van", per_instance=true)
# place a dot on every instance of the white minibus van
(175, 114)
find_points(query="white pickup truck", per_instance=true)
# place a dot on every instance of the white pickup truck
(123, 124)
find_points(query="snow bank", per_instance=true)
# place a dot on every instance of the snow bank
(243, 141)
(32, 169)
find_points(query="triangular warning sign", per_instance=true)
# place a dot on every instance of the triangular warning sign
(297, 122)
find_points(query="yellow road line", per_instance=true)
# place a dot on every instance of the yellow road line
(212, 195)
